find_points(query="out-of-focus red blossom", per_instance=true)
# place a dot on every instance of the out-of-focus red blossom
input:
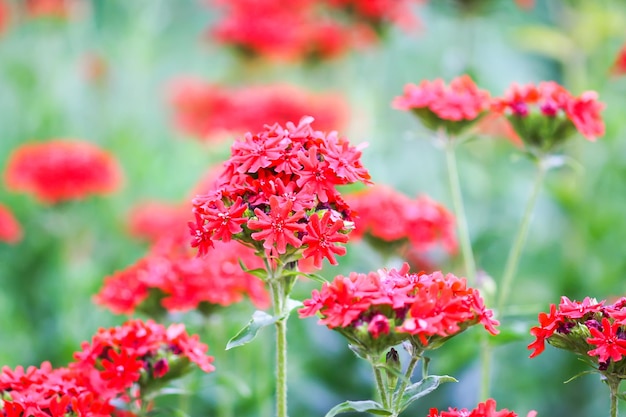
(314, 31)
(384, 308)
(619, 67)
(484, 409)
(183, 280)
(271, 188)
(208, 111)
(62, 170)
(94, 68)
(10, 229)
(551, 101)
(438, 105)
(5, 16)
(385, 214)
(61, 9)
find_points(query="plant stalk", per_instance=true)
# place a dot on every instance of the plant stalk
(382, 390)
(614, 389)
(279, 301)
(459, 211)
(405, 382)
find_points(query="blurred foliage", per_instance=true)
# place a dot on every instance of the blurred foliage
(575, 246)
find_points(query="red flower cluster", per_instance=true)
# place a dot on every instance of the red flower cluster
(485, 409)
(278, 194)
(208, 111)
(317, 29)
(154, 220)
(119, 362)
(452, 107)
(60, 9)
(588, 328)
(10, 229)
(385, 214)
(546, 114)
(619, 67)
(181, 281)
(62, 170)
(383, 308)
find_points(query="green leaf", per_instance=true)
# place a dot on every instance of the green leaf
(315, 277)
(423, 388)
(259, 272)
(259, 320)
(371, 407)
(579, 375)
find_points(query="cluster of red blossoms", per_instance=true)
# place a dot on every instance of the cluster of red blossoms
(277, 194)
(485, 409)
(385, 214)
(317, 29)
(543, 116)
(208, 111)
(62, 170)
(382, 309)
(170, 277)
(10, 229)
(118, 365)
(589, 328)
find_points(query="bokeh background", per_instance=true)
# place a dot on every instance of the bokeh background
(100, 72)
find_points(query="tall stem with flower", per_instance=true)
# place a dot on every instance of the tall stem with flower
(277, 195)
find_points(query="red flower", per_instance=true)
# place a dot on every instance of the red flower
(548, 324)
(392, 306)
(10, 229)
(578, 309)
(62, 170)
(48, 8)
(152, 220)
(279, 227)
(608, 341)
(560, 113)
(121, 370)
(484, 409)
(320, 239)
(279, 181)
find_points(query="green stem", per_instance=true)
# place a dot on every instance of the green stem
(614, 389)
(516, 250)
(459, 211)
(382, 390)
(279, 301)
(405, 382)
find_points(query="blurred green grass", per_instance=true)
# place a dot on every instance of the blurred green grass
(575, 247)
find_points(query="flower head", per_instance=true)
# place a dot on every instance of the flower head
(383, 308)
(452, 107)
(10, 229)
(277, 194)
(484, 409)
(546, 115)
(62, 170)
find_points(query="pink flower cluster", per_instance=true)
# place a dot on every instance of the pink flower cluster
(278, 194)
(386, 214)
(588, 328)
(114, 367)
(208, 111)
(484, 409)
(61, 170)
(384, 308)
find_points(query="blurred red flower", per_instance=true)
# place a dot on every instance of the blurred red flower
(62, 170)
(10, 229)
(152, 220)
(49, 8)
(619, 67)
(385, 214)
(208, 111)
(5, 16)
